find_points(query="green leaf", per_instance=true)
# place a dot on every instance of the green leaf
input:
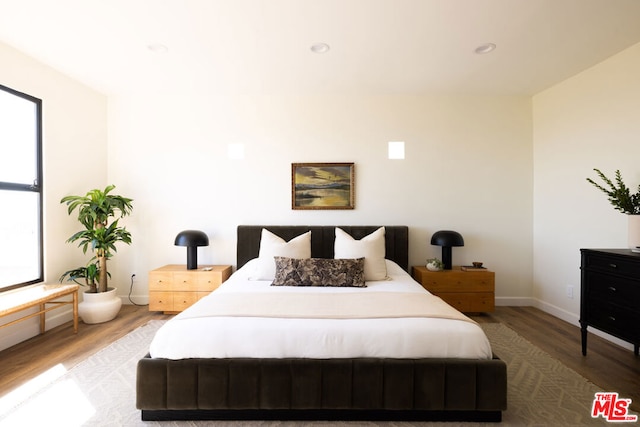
(618, 194)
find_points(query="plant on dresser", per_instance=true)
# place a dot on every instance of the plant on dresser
(619, 194)
(173, 288)
(623, 200)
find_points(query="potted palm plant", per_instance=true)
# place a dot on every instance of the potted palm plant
(99, 212)
(89, 273)
(623, 200)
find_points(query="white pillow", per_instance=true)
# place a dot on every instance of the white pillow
(272, 245)
(371, 247)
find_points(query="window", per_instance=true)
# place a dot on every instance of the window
(21, 242)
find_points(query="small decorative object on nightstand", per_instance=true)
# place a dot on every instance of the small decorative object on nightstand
(173, 288)
(434, 264)
(467, 291)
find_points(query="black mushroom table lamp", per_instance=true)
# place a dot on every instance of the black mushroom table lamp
(192, 239)
(447, 239)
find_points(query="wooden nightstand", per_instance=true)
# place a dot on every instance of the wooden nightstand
(467, 291)
(173, 288)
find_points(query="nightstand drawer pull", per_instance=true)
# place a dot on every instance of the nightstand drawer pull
(613, 265)
(612, 289)
(613, 319)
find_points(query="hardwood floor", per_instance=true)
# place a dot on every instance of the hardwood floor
(607, 365)
(60, 345)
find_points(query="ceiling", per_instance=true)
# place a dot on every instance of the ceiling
(377, 46)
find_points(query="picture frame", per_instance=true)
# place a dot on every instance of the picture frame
(322, 186)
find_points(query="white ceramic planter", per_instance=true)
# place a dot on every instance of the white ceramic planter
(433, 267)
(634, 232)
(99, 307)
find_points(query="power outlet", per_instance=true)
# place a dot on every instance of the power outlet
(570, 292)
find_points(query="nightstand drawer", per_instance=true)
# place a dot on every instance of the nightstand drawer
(209, 280)
(173, 288)
(160, 301)
(470, 302)
(185, 281)
(467, 291)
(160, 281)
(183, 300)
(460, 282)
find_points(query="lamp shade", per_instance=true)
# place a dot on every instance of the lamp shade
(192, 239)
(447, 239)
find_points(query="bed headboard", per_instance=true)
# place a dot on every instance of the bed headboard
(322, 238)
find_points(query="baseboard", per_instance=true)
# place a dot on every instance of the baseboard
(515, 301)
(135, 299)
(558, 312)
(574, 319)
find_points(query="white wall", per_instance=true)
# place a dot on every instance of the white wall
(74, 128)
(468, 167)
(589, 121)
(508, 173)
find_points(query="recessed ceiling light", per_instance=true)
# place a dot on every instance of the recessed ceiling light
(158, 48)
(320, 48)
(485, 48)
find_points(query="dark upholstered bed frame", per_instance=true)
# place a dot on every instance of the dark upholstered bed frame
(322, 389)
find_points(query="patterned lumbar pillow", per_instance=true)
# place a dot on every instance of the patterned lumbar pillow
(319, 272)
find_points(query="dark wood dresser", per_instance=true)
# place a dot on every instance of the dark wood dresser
(610, 294)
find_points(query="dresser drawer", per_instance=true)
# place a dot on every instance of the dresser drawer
(614, 319)
(610, 294)
(614, 265)
(614, 289)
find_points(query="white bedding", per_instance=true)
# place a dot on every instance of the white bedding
(192, 335)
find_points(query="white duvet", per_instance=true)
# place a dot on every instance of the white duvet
(193, 335)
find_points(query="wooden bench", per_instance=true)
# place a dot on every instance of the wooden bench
(38, 296)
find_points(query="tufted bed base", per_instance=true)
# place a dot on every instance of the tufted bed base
(322, 389)
(364, 389)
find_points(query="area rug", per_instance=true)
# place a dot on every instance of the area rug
(100, 391)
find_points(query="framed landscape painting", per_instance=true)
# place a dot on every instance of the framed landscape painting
(322, 186)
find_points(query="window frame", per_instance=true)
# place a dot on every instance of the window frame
(35, 187)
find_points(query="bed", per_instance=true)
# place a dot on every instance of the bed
(392, 374)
